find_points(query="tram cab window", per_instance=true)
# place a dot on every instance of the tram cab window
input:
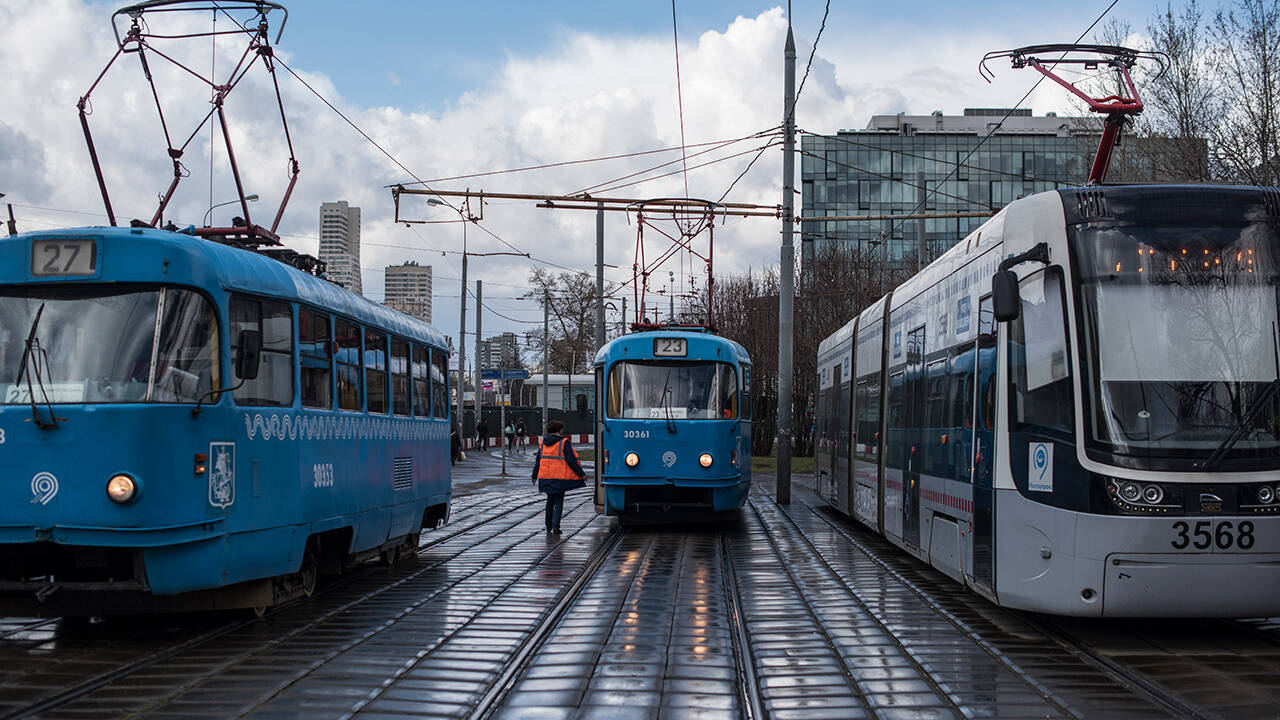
(274, 320)
(375, 370)
(347, 342)
(399, 377)
(439, 384)
(676, 390)
(100, 345)
(421, 382)
(746, 392)
(1039, 372)
(316, 358)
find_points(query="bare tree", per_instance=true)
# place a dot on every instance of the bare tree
(570, 300)
(1182, 105)
(1247, 143)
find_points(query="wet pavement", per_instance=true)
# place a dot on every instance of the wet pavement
(783, 612)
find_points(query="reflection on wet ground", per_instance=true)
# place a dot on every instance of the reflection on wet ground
(792, 611)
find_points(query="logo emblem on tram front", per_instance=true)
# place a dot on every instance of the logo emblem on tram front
(44, 486)
(222, 474)
(668, 459)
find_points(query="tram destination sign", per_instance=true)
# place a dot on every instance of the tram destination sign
(504, 374)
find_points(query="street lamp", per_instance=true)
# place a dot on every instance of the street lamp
(208, 214)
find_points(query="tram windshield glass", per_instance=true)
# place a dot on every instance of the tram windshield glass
(100, 345)
(1180, 331)
(677, 390)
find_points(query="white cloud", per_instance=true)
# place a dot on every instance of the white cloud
(590, 95)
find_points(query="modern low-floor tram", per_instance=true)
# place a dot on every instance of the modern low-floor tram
(187, 425)
(1099, 435)
(673, 425)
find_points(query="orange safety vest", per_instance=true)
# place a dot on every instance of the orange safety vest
(552, 465)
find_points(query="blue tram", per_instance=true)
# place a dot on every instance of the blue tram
(188, 425)
(673, 425)
(1097, 433)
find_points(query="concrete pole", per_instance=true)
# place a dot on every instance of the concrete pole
(546, 356)
(623, 329)
(920, 240)
(462, 333)
(787, 271)
(479, 393)
(502, 417)
(599, 275)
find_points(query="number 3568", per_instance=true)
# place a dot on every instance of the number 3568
(1205, 534)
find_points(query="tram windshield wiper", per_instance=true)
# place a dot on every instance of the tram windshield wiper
(666, 402)
(29, 365)
(1246, 418)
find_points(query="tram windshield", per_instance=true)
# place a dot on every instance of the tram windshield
(1180, 328)
(677, 390)
(100, 345)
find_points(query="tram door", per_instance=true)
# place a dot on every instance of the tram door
(598, 465)
(915, 381)
(984, 455)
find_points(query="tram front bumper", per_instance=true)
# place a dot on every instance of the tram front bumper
(1216, 585)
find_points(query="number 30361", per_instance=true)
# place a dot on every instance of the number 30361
(1205, 534)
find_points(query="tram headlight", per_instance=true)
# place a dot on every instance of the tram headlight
(1130, 491)
(1266, 495)
(121, 488)
(1152, 494)
(631, 459)
(705, 459)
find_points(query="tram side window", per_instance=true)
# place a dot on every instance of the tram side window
(274, 320)
(399, 377)
(896, 420)
(1039, 372)
(746, 392)
(439, 383)
(347, 341)
(867, 410)
(421, 382)
(315, 354)
(375, 370)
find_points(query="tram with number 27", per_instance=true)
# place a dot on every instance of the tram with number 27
(1097, 431)
(673, 426)
(188, 425)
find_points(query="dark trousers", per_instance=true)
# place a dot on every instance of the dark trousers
(555, 508)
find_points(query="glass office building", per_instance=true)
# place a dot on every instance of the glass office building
(901, 163)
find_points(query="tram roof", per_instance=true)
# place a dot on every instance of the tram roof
(247, 271)
(640, 345)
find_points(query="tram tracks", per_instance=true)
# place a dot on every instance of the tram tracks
(69, 695)
(752, 696)
(1123, 676)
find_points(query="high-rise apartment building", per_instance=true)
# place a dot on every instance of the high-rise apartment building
(408, 289)
(499, 353)
(340, 244)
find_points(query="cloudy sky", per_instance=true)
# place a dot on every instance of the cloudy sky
(450, 89)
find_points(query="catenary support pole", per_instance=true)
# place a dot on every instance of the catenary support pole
(786, 288)
(502, 416)
(600, 277)
(479, 394)
(462, 336)
(623, 330)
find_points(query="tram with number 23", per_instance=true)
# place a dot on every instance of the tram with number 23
(673, 426)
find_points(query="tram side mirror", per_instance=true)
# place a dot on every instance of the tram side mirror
(1005, 300)
(248, 354)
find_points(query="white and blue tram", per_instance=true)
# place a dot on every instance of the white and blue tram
(188, 425)
(673, 425)
(1101, 437)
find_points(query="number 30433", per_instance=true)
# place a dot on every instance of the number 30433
(1206, 534)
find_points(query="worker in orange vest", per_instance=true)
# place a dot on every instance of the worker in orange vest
(556, 471)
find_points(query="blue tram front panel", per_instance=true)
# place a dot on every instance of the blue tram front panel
(674, 422)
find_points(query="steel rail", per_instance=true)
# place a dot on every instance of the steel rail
(749, 689)
(498, 690)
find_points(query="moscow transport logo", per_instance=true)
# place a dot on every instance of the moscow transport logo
(222, 474)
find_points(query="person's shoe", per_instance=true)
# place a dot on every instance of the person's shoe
(555, 531)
